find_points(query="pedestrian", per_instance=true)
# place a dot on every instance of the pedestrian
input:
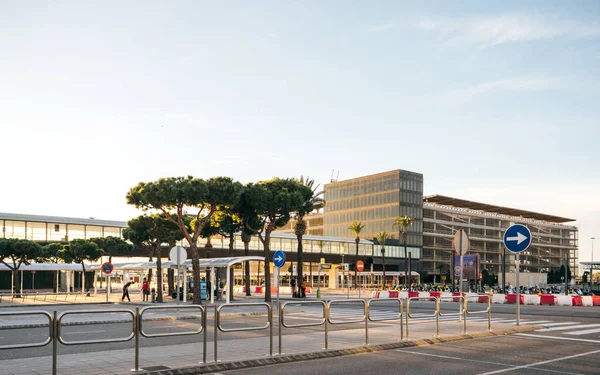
(293, 283)
(303, 289)
(145, 289)
(126, 292)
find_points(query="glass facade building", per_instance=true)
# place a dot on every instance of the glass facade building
(376, 201)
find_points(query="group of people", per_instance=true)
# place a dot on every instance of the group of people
(301, 292)
(145, 290)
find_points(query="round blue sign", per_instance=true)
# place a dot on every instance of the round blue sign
(279, 258)
(517, 238)
(107, 268)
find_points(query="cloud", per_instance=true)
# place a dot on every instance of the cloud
(513, 84)
(382, 27)
(496, 30)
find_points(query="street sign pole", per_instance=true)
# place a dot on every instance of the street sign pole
(278, 287)
(460, 281)
(517, 239)
(278, 262)
(178, 273)
(517, 261)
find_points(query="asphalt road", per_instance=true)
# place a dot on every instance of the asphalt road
(496, 355)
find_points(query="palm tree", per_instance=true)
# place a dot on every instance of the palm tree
(381, 238)
(356, 227)
(403, 222)
(314, 201)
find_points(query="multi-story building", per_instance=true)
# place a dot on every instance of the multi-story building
(485, 224)
(376, 201)
(314, 225)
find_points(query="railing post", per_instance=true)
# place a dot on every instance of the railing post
(205, 328)
(281, 308)
(216, 318)
(407, 314)
(326, 322)
(54, 342)
(401, 322)
(489, 312)
(366, 313)
(465, 315)
(437, 317)
(271, 331)
(136, 330)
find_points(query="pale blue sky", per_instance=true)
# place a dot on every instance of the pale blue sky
(491, 101)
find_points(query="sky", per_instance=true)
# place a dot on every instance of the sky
(492, 101)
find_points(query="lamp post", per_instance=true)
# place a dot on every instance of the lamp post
(592, 265)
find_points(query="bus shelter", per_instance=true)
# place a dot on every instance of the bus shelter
(205, 263)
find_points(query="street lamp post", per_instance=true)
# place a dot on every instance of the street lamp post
(592, 266)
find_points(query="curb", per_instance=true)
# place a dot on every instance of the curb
(234, 365)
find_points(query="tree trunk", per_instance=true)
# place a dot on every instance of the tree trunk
(300, 277)
(247, 271)
(17, 279)
(159, 279)
(150, 272)
(405, 266)
(54, 282)
(231, 281)
(82, 278)
(267, 255)
(195, 273)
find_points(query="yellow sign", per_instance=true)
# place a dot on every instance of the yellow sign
(443, 277)
(322, 260)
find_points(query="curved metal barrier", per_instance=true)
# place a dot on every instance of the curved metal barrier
(463, 308)
(435, 314)
(282, 322)
(488, 310)
(398, 316)
(218, 327)
(140, 315)
(348, 321)
(130, 336)
(36, 344)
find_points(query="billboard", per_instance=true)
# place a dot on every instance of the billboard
(470, 266)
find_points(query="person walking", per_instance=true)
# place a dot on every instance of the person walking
(145, 289)
(293, 284)
(126, 292)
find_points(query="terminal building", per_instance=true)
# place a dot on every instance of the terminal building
(374, 200)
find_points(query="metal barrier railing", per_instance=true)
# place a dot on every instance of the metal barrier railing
(218, 327)
(462, 315)
(140, 317)
(488, 310)
(282, 322)
(436, 313)
(398, 316)
(31, 345)
(361, 319)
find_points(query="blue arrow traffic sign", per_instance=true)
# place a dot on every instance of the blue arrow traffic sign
(517, 238)
(279, 258)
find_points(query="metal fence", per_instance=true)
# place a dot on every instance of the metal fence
(56, 322)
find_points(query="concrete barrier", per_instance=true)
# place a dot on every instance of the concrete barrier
(587, 301)
(384, 294)
(393, 294)
(499, 298)
(564, 300)
(403, 295)
(577, 301)
(547, 299)
(532, 299)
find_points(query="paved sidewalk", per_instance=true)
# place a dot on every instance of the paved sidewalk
(190, 355)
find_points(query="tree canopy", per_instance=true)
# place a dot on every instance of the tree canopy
(112, 246)
(186, 197)
(273, 202)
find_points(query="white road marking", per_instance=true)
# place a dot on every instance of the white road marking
(537, 321)
(557, 338)
(569, 327)
(450, 357)
(540, 363)
(559, 324)
(584, 332)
